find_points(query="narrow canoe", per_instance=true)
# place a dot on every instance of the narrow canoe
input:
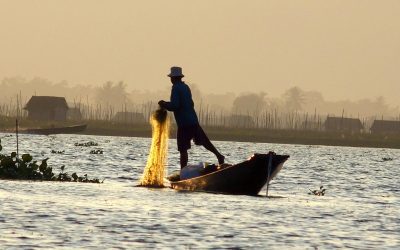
(247, 178)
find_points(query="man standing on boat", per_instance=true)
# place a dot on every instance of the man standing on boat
(182, 105)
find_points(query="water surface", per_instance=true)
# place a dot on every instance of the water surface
(360, 209)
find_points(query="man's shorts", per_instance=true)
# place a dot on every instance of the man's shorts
(187, 133)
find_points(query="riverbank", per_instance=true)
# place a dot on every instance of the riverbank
(107, 128)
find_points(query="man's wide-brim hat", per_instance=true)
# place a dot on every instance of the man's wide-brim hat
(176, 71)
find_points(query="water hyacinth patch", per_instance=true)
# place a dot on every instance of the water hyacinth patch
(86, 144)
(318, 192)
(96, 152)
(25, 168)
(57, 151)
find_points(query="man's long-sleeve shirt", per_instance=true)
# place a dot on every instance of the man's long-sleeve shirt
(182, 105)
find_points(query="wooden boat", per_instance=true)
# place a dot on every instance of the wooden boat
(56, 130)
(247, 178)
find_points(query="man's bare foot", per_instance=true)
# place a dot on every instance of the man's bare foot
(221, 159)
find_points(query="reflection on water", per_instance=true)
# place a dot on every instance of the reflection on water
(360, 208)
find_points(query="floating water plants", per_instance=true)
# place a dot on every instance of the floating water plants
(318, 192)
(57, 151)
(64, 176)
(25, 168)
(86, 144)
(96, 152)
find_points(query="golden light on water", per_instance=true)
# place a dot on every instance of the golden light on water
(154, 171)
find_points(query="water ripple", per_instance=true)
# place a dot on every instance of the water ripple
(360, 209)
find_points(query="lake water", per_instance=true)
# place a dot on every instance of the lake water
(361, 207)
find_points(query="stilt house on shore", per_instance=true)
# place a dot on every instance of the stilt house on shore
(385, 127)
(47, 108)
(343, 124)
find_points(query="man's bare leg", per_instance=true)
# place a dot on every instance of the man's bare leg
(209, 146)
(184, 158)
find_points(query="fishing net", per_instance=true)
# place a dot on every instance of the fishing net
(154, 172)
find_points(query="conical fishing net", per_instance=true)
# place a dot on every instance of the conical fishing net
(154, 172)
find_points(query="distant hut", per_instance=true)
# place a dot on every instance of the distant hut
(47, 108)
(129, 117)
(343, 124)
(385, 127)
(241, 121)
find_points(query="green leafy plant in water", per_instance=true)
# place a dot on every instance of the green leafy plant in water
(24, 168)
(96, 152)
(86, 144)
(57, 151)
(318, 192)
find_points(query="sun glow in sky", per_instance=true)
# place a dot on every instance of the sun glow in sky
(344, 49)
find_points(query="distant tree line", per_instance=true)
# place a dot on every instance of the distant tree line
(115, 95)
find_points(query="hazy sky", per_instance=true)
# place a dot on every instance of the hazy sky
(344, 49)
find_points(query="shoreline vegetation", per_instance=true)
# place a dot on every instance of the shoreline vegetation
(219, 133)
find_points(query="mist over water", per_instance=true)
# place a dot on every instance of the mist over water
(359, 210)
(337, 48)
(119, 96)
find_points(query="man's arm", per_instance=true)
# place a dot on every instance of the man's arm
(174, 104)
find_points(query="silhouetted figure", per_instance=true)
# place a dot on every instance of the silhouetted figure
(186, 118)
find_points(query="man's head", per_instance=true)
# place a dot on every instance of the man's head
(176, 74)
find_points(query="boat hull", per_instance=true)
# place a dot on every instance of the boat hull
(246, 178)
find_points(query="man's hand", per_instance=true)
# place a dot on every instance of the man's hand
(161, 103)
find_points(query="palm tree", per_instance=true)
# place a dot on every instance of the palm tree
(112, 94)
(294, 99)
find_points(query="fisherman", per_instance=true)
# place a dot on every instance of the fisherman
(182, 105)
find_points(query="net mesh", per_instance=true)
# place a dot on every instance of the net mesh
(154, 172)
